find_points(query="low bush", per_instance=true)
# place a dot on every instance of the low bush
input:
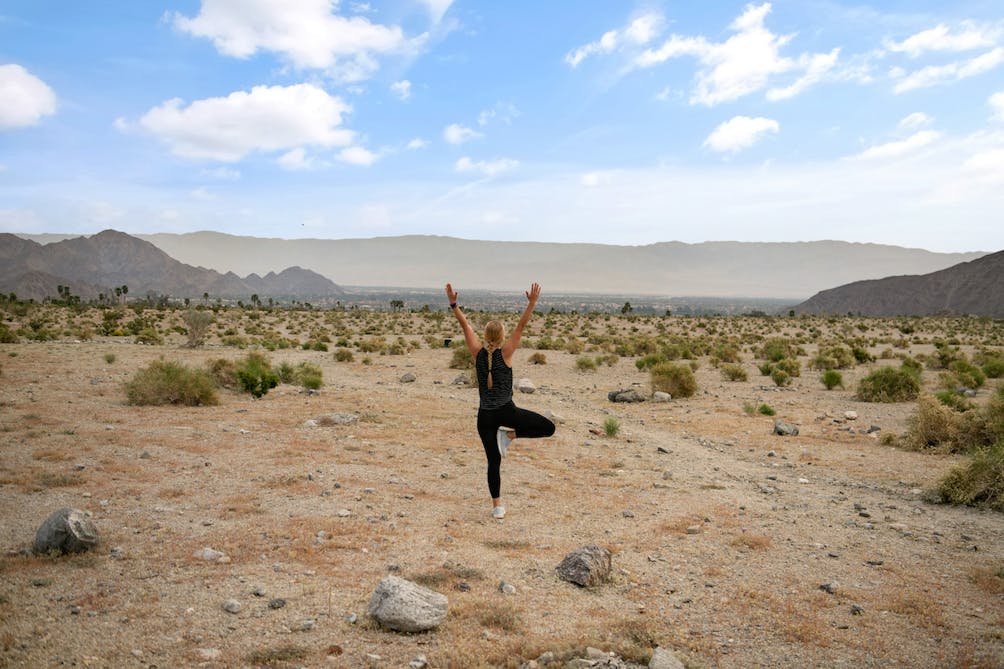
(765, 368)
(462, 358)
(993, 368)
(255, 374)
(953, 400)
(765, 410)
(149, 336)
(831, 378)
(537, 358)
(575, 346)
(309, 376)
(8, 336)
(110, 358)
(945, 428)
(833, 357)
(733, 372)
(791, 366)
(675, 379)
(777, 348)
(585, 363)
(980, 482)
(611, 426)
(344, 355)
(170, 383)
(780, 377)
(224, 373)
(963, 374)
(861, 355)
(649, 361)
(889, 384)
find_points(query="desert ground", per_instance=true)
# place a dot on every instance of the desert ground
(723, 534)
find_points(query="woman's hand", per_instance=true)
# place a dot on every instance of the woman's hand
(451, 294)
(533, 293)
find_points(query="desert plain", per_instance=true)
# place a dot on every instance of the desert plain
(732, 546)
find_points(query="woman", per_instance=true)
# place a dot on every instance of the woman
(499, 419)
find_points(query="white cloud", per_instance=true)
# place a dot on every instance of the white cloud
(437, 8)
(375, 215)
(997, 104)
(915, 120)
(222, 173)
(639, 32)
(305, 32)
(202, 194)
(940, 38)
(742, 64)
(357, 155)
(987, 166)
(934, 75)
(458, 134)
(900, 147)
(26, 98)
(268, 118)
(594, 179)
(417, 143)
(488, 168)
(401, 89)
(740, 132)
(296, 160)
(503, 112)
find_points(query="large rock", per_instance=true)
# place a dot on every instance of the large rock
(586, 566)
(629, 395)
(664, 659)
(66, 531)
(401, 605)
(525, 386)
(785, 429)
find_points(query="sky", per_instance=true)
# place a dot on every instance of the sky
(612, 122)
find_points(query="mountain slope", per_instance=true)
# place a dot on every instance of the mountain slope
(971, 288)
(785, 270)
(110, 259)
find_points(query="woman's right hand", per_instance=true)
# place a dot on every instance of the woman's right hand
(533, 293)
(451, 294)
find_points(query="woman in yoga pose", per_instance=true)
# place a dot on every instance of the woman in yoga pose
(500, 421)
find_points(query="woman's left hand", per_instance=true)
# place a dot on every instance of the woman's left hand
(533, 293)
(451, 294)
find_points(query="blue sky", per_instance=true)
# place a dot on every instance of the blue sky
(607, 122)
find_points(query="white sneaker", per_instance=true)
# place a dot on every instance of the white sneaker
(503, 439)
(498, 512)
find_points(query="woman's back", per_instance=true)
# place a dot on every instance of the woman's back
(500, 393)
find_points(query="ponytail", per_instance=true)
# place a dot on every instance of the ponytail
(491, 350)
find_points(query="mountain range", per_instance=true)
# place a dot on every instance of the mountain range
(792, 271)
(98, 264)
(972, 288)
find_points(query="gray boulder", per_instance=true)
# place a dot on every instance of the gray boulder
(586, 566)
(401, 605)
(785, 429)
(659, 396)
(66, 531)
(525, 386)
(408, 377)
(664, 659)
(629, 395)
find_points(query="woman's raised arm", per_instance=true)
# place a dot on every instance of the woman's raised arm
(473, 343)
(512, 343)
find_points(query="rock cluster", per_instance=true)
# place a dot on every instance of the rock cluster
(628, 395)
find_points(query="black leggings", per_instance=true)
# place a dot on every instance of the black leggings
(526, 425)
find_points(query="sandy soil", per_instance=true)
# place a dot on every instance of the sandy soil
(775, 518)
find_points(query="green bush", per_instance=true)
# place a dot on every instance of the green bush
(791, 366)
(953, 400)
(861, 355)
(286, 372)
(766, 368)
(197, 322)
(831, 378)
(889, 384)
(255, 374)
(575, 346)
(777, 348)
(675, 379)
(833, 357)
(585, 363)
(780, 377)
(170, 383)
(941, 427)
(110, 358)
(611, 426)
(344, 355)
(978, 483)
(149, 336)
(649, 361)
(309, 376)
(765, 410)
(462, 358)
(8, 336)
(962, 373)
(733, 372)
(224, 373)
(993, 368)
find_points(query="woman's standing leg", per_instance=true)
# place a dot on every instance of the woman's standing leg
(488, 425)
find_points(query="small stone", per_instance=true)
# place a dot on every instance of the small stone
(627, 513)
(507, 588)
(830, 587)
(784, 429)
(404, 606)
(803, 481)
(771, 454)
(694, 529)
(276, 603)
(408, 377)
(66, 531)
(116, 553)
(525, 386)
(209, 654)
(208, 554)
(258, 591)
(419, 662)
(857, 609)
(232, 606)
(351, 618)
(851, 415)
(660, 396)
(306, 625)
(344, 513)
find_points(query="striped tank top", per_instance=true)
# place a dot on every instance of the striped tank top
(500, 393)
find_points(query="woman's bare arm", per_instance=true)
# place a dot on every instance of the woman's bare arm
(473, 343)
(512, 343)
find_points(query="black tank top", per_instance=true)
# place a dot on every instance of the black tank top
(500, 393)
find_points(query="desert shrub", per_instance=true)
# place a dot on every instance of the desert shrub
(790, 365)
(255, 374)
(462, 358)
(344, 355)
(197, 322)
(888, 384)
(675, 379)
(766, 410)
(780, 377)
(149, 336)
(611, 426)
(649, 361)
(610, 359)
(309, 376)
(8, 336)
(585, 363)
(953, 400)
(777, 348)
(749, 408)
(170, 383)
(733, 372)
(538, 358)
(110, 358)
(861, 355)
(912, 365)
(963, 373)
(944, 355)
(831, 378)
(833, 357)
(286, 372)
(575, 346)
(993, 368)
(725, 353)
(978, 483)
(224, 372)
(765, 368)
(932, 426)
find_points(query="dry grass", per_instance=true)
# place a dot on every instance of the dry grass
(990, 581)
(756, 542)
(448, 574)
(921, 609)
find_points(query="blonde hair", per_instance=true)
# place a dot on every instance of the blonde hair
(494, 336)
